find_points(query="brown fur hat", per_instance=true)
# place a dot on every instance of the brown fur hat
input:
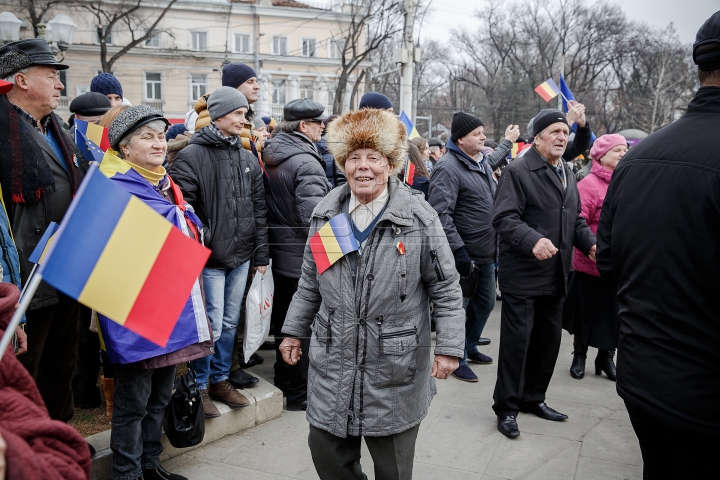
(368, 128)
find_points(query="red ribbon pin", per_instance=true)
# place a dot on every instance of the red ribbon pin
(401, 248)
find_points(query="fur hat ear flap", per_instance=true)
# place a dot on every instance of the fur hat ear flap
(370, 128)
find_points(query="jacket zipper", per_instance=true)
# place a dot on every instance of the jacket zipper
(331, 311)
(399, 334)
(436, 263)
(380, 334)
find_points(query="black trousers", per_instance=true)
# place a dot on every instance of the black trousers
(291, 379)
(52, 351)
(669, 453)
(84, 385)
(338, 458)
(530, 333)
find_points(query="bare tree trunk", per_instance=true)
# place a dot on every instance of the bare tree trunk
(355, 89)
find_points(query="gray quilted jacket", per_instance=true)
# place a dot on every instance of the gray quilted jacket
(370, 355)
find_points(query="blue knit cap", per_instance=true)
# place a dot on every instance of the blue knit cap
(375, 100)
(174, 131)
(235, 74)
(107, 84)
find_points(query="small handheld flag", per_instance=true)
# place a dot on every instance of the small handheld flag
(548, 90)
(333, 241)
(91, 139)
(411, 131)
(116, 255)
(39, 253)
(409, 171)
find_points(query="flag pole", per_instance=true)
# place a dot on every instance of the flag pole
(30, 277)
(32, 287)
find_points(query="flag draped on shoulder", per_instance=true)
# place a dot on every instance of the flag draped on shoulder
(125, 251)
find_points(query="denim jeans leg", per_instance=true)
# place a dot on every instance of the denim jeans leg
(214, 280)
(478, 309)
(221, 362)
(162, 385)
(133, 388)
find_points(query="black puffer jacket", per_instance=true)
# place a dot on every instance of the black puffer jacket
(224, 184)
(296, 183)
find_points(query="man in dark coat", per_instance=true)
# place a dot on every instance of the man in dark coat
(40, 175)
(537, 216)
(296, 182)
(461, 191)
(658, 241)
(223, 182)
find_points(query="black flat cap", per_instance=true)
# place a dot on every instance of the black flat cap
(24, 53)
(706, 49)
(434, 142)
(303, 109)
(90, 104)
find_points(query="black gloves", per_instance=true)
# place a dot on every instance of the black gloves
(463, 262)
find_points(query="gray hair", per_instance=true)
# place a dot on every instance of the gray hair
(155, 125)
(288, 126)
(24, 71)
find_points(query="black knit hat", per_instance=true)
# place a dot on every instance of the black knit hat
(706, 49)
(544, 119)
(462, 124)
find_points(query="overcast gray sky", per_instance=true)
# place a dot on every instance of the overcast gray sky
(687, 15)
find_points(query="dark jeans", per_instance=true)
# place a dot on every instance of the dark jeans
(291, 379)
(669, 453)
(140, 399)
(84, 385)
(530, 333)
(478, 309)
(52, 351)
(338, 458)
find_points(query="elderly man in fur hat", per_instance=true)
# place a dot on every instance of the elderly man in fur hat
(367, 311)
(40, 174)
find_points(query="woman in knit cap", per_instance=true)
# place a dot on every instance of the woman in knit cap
(591, 308)
(108, 85)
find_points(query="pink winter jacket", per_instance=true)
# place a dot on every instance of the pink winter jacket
(592, 189)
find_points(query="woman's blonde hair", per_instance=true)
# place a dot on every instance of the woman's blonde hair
(110, 115)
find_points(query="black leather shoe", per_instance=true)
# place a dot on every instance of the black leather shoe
(577, 369)
(543, 411)
(255, 359)
(240, 379)
(483, 341)
(296, 407)
(507, 425)
(604, 363)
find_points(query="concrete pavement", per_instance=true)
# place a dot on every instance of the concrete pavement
(458, 440)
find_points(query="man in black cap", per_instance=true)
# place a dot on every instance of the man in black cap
(537, 217)
(437, 150)
(90, 107)
(658, 242)
(40, 174)
(296, 182)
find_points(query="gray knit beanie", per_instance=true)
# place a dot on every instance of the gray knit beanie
(225, 100)
(129, 120)
(258, 123)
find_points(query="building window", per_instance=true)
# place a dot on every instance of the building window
(153, 86)
(62, 74)
(280, 46)
(308, 47)
(241, 43)
(335, 47)
(307, 89)
(198, 41)
(107, 33)
(153, 42)
(198, 86)
(278, 92)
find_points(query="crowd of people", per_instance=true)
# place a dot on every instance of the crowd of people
(622, 255)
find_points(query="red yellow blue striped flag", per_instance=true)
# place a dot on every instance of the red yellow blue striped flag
(333, 241)
(548, 90)
(409, 171)
(116, 255)
(92, 140)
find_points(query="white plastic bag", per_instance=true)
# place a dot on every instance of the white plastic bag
(258, 309)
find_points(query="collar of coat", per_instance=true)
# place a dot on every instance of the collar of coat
(402, 204)
(464, 157)
(706, 100)
(536, 160)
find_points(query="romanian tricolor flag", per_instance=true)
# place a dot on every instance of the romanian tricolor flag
(333, 241)
(411, 130)
(92, 140)
(41, 249)
(516, 148)
(409, 171)
(548, 90)
(118, 256)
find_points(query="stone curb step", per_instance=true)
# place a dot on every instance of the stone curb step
(266, 403)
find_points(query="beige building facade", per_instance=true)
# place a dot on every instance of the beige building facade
(295, 47)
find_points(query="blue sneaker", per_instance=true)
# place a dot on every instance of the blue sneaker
(465, 374)
(479, 358)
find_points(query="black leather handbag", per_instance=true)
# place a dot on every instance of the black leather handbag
(469, 283)
(184, 422)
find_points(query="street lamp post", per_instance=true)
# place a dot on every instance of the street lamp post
(9, 27)
(58, 32)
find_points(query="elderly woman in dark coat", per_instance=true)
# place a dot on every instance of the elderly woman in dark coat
(368, 314)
